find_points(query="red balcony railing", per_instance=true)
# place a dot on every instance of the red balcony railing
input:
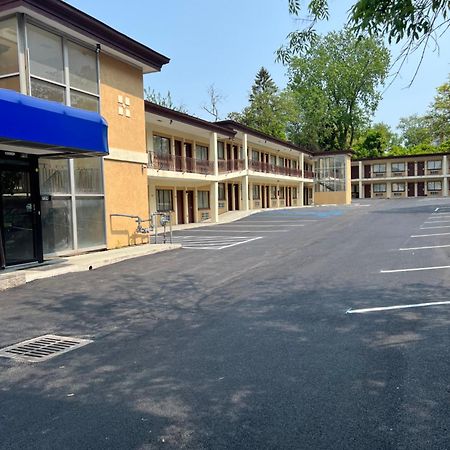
(259, 166)
(180, 164)
(231, 165)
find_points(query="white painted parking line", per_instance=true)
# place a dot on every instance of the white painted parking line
(263, 226)
(239, 243)
(228, 230)
(438, 221)
(437, 209)
(423, 248)
(429, 235)
(275, 221)
(415, 269)
(439, 226)
(213, 242)
(390, 308)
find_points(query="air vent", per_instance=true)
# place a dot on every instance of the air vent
(42, 348)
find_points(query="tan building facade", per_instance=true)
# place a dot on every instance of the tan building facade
(401, 177)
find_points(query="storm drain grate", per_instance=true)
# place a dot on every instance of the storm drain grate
(42, 348)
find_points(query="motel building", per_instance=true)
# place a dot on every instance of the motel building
(401, 176)
(79, 145)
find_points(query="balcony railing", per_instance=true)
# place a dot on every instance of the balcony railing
(309, 174)
(259, 166)
(231, 165)
(180, 164)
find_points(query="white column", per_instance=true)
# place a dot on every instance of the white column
(213, 152)
(360, 175)
(196, 215)
(300, 194)
(302, 165)
(214, 201)
(245, 151)
(175, 206)
(388, 189)
(445, 174)
(185, 207)
(250, 202)
(245, 202)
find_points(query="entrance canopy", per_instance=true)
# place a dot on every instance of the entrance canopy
(41, 127)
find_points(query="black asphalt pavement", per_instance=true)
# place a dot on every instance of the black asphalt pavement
(245, 346)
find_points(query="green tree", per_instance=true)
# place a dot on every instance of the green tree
(414, 131)
(413, 22)
(163, 100)
(377, 140)
(335, 86)
(268, 110)
(439, 114)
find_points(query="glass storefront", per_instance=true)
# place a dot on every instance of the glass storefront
(330, 174)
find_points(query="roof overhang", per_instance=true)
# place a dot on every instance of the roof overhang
(35, 126)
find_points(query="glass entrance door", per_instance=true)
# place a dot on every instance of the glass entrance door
(19, 214)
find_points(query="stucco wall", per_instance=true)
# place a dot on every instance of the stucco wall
(327, 198)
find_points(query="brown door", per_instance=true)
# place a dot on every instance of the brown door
(305, 196)
(420, 187)
(180, 207)
(410, 187)
(410, 169)
(230, 197)
(421, 168)
(190, 205)
(367, 191)
(263, 196)
(178, 161)
(236, 197)
(228, 151)
(189, 160)
(288, 197)
(367, 171)
(355, 172)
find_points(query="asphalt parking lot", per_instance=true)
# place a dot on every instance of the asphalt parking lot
(313, 328)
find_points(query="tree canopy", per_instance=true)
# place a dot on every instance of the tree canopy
(335, 86)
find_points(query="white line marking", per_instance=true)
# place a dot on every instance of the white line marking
(415, 269)
(426, 235)
(423, 248)
(239, 243)
(430, 228)
(389, 308)
(274, 221)
(437, 209)
(231, 238)
(439, 221)
(240, 231)
(263, 226)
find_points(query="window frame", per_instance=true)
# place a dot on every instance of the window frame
(398, 187)
(256, 192)
(434, 183)
(380, 191)
(221, 196)
(201, 195)
(164, 192)
(434, 161)
(398, 164)
(379, 165)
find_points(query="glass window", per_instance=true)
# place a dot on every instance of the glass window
(83, 101)
(161, 145)
(221, 191)
(88, 175)
(379, 168)
(47, 91)
(202, 152)
(273, 192)
(294, 164)
(255, 155)
(398, 187)
(434, 165)
(281, 162)
(379, 187)
(11, 83)
(90, 222)
(164, 200)
(54, 176)
(9, 60)
(434, 186)
(57, 225)
(330, 174)
(220, 150)
(203, 199)
(46, 54)
(281, 192)
(273, 160)
(256, 195)
(398, 167)
(82, 68)
(294, 193)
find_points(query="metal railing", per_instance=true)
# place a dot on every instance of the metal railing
(180, 164)
(259, 166)
(231, 165)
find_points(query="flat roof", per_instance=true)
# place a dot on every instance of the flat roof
(387, 157)
(91, 27)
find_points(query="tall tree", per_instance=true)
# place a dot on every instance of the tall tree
(269, 109)
(439, 114)
(415, 130)
(375, 141)
(335, 85)
(163, 100)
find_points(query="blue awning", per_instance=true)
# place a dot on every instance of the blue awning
(51, 128)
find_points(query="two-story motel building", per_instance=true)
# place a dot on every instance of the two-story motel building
(401, 176)
(78, 144)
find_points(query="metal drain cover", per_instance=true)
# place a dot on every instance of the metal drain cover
(42, 348)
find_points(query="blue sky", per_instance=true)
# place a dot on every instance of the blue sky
(225, 43)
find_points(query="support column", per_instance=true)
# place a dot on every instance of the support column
(185, 206)
(300, 194)
(195, 206)
(175, 206)
(445, 174)
(250, 202)
(214, 201)
(245, 202)
(278, 194)
(360, 176)
(213, 152)
(245, 153)
(388, 189)
(233, 197)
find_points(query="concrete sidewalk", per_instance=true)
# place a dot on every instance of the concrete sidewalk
(59, 266)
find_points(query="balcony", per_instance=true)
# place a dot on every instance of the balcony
(231, 165)
(180, 164)
(309, 174)
(259, 166)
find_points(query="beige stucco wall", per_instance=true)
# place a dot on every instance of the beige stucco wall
(126, 191)
(327, 198)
